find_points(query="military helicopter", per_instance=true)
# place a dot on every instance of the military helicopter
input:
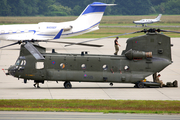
(144, 56)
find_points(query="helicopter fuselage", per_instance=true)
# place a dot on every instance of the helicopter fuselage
(86, 68)
(143, 56)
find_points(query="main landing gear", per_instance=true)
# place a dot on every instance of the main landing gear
(111, 84)
(67, 85)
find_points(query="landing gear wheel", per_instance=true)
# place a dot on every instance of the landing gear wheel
(67, 85)
(140, 85)
(175, 83)
(111, 84)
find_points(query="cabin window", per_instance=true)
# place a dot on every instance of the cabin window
(105, 67)
(18, 31)
(10, 31)
(83, 66)
(62, 65)
(126, 67)
(39, 65)
(26, 30)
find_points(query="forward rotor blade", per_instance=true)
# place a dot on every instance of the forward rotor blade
(103, 38)
(93, 45)
(11, 44)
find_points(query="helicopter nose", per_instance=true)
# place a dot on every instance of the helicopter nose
(12, 70)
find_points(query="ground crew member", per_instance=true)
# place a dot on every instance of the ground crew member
(116, 45)
(36, 83)
(157, 79)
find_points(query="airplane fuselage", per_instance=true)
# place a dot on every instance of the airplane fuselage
(148, 21)
(43, 31)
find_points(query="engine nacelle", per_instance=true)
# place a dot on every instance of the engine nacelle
(133, 54)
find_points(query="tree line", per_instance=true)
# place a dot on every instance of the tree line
(72, 7)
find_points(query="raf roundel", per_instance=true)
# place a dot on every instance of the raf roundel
(53, 62)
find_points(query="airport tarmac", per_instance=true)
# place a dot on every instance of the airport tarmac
(12, 88)
(24, 115)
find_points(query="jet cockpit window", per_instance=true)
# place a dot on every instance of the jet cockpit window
(39, 65)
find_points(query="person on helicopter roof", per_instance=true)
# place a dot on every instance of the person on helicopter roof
(116, 45)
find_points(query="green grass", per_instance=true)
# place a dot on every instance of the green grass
(105, 106)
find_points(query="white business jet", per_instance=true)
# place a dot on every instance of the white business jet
(148, 21)
(88, 21)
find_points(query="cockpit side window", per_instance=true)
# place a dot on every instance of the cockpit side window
(20, 62)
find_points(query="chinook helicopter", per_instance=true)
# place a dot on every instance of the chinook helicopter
(144, 56)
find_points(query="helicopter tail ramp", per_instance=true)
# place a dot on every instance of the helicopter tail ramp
(90, 18)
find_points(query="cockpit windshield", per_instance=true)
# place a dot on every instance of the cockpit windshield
(20, 62)
(17, 62)
(23, 62)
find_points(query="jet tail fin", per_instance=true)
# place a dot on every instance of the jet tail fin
(159, 17)
(91, 16)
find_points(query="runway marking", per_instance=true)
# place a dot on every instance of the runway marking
(164, 94)
(104, 91)
(49, 90)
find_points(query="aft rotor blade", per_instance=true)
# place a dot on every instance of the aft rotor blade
(11, 44)
(34, 51)
(103, 38)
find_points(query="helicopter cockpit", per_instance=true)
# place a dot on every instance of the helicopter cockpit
(18, 67)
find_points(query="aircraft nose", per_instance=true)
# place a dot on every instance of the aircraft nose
(133, 22)
(12, 70)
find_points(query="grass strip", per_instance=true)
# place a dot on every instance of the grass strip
(105, 106)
